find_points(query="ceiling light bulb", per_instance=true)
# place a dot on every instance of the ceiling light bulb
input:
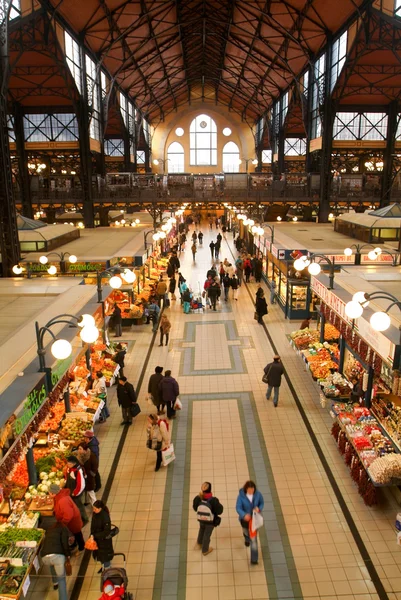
(353, 309)
(86, 321)
(89, 334)
(348, 251)
(299, 264)
(128, 276)
(61, 349)
(73, 259)
(52, 270)
(43, 260)
(380, 321)
(314, 268)
(115, 282)
(360, 297)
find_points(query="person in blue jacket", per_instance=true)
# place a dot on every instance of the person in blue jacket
(249, 500)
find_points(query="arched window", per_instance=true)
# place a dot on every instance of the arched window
(203, 142)
(231, 158)
(175, 158)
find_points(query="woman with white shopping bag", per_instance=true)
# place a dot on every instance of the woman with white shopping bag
(249, 505)
(159, 440)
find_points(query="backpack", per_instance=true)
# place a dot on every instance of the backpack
(204, 512)
(155, 438)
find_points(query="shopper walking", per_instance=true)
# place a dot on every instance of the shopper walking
(169, 390)
(213, 292)
(158, 430)
(172, 286)
(75, 483)
(92, 442)
(119, 357)
(194, 251)
(55, 550)
(249, 500)
(67, 513)
(200, 238)
(161, 291)
(126, 397)
(234, 286)
(100, 532)
(154, 391)
(257, 269)
(239, 263)
(165, 327)
(153, 315)
(212, 247)
(222, 272)
(226, 285)
(90, 464)
(217, 249)
(194, 237)
(208, 510)
(247, 269)
(117, 320)
(261, 306)
(274, 372)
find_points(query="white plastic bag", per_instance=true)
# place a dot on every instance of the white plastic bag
(257, 520)
(168, 455)
(177, 404)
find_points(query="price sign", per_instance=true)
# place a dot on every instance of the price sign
(36, 564)
(26, 585)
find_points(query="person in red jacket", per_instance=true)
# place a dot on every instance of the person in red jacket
(67, 513)
(75, 476)
(112, 591)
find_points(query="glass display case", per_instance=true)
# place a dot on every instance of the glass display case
(283, 289)
(298, 299)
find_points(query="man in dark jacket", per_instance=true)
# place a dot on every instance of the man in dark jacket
(174, 260)
(153, 389)
(214, 292)
(126, 397)
(274, 372)
(118, 358)
(212, 246)
(117, 321)
(55, 550)
(169, 391)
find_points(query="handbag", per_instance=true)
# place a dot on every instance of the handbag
(135, 409)
(113, 532)
(256, 316)
(68, 567)
(177, 404)
(168, 455)
(266, 376)
(98, 482)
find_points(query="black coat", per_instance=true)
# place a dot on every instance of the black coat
(170, 269)
(153, 387)
(100, 529)
(119, 358)
(275, 370)
(174, 260)
(172, 286)
(56, 538)
(117, 319)
(126, 395)
(261, 306)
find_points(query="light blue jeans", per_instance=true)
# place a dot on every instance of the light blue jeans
(275, 395)
(56, 563)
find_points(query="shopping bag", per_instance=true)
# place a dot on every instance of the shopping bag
(178, 404)
(257, 520)
(135, 409)
(256, 316)
(68, 567)
(90, 544)
(168, 455)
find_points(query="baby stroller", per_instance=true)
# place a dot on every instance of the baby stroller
(196, 302)
(118, 576)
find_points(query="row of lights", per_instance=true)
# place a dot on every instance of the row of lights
(124, 223)
(127, 275)
(372, 255)
(166, 227)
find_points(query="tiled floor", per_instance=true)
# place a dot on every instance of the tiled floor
(227, 432)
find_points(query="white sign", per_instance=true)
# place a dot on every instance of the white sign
(274, 251)
(26, 585)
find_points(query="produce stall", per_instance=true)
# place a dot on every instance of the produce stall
(372, 456)
(19, 549)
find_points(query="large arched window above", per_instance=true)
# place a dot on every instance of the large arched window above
(203, 142)
(175, 157)
(231, 158)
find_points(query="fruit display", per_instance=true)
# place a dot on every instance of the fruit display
(302, 338)
(73, 429)
(331, 333)
(370, 442)
(335, 385)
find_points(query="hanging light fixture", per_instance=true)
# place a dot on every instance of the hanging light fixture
(380, 321)
(115, 282)
(61, 349)
(86, 321)
(52, 270)
(43, 260)
(89, 334)
(314, 268)
(353, 309)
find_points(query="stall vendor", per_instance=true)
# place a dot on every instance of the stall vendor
(357, 393)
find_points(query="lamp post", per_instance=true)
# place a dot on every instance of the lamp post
(61, 348)
(373, 254)
(271, 227)
(62, 258)
(115, 281)
(163, 162)
(254, 161)
(314, 268)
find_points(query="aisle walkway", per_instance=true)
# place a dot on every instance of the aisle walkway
(226, 433)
